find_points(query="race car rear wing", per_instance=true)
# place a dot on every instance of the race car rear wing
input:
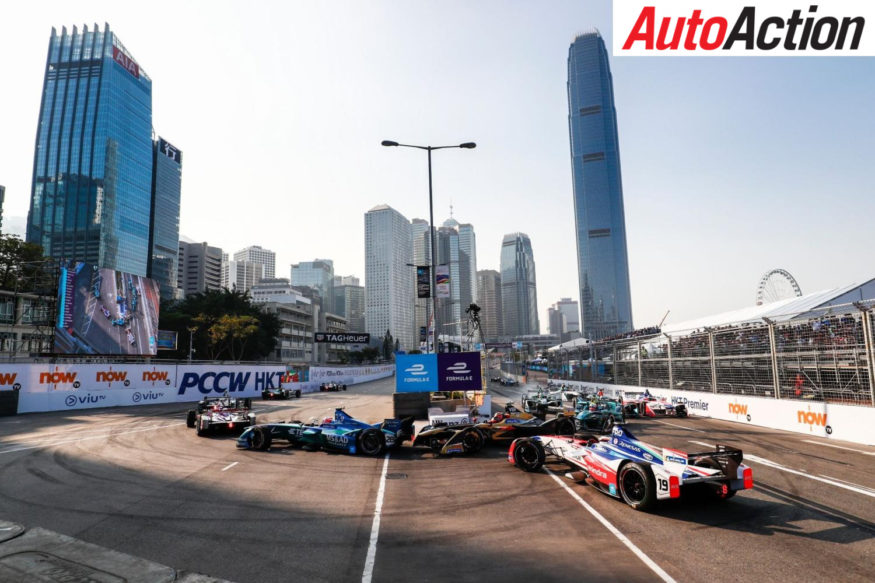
(728, 458)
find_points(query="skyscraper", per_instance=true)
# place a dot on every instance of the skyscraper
(199, 268)
(319, 275)
(255, 254)
(388, 279)
(92, 169)
(457, 248)
(421, 236)
(489, 300)
(603, 265)
(164, 216)
(519, 296)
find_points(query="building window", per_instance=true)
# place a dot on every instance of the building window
(594, 233)
(593, 157)
(591, 110)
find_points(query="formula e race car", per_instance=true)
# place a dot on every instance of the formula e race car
(339, 433)
(332, 387)
(646, 405)
(540, 401)
(445, 439)
(224, 413)
(637, 472)
(598, 415)
(280, 393)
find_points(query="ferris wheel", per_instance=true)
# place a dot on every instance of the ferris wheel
(777, 284)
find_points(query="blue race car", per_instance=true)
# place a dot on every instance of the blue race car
(340, 433)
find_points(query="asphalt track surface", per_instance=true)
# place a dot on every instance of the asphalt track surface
(138, 481)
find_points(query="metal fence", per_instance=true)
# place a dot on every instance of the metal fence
(821, 355)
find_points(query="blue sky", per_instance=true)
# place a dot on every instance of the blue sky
(731, 166)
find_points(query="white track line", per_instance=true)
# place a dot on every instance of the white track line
(88, 438)
(375, 527)
(839, 447)
(681, 426)
(826, 480)
(229, 466)
(623, 539)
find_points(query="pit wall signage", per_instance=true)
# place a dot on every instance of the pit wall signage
(811, 418)
(738, 28)
(428, 373)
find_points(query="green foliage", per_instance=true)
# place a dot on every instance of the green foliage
(23, 267)
(388, 344)
(221, 325)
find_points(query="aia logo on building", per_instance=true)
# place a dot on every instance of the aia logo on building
(126, 62)
(735, 28)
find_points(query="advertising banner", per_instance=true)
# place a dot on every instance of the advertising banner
(442, 280)
(459, 371)
(345, 338)
(423, 281)
(350, 374)
(194, 382)
(416, 373)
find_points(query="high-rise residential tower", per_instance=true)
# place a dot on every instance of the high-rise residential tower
(164, 217)
(199, 268)
(255, 254)
(389, 285)
(519, 295)
(603, 265)
(92, 169)
(319, 275)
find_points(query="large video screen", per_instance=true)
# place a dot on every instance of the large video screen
(103, 311)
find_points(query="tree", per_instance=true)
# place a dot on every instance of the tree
(23, 267)
(388, 343)
(222, 324)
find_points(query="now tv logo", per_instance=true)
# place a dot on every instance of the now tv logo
(111, 376)
(8, 378)
(737, 409)
(738, 28)
(57, 377)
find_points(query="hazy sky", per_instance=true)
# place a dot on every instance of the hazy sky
(731, 166)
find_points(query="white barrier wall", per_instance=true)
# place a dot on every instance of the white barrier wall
(842, 422)
(56, 387)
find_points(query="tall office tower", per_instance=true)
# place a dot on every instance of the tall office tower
(457, 249)
(468, 265)
(519, 296)
(421, 236)
(92, 166)
(255, 254)
(200, 268)
(349, 302)
(557, 323)
(489, 300)
(2, 199)
(318, 275)
(241, 275)
(346, 280)
(389, 286)
(571, 311)
(164, 217)
(603, 264)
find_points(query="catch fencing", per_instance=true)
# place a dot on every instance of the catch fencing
(822, 355)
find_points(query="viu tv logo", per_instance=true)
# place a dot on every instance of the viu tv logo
(139, 397)
(211, 382)
(86, 399)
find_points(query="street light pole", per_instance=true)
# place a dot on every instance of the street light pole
(432, 257)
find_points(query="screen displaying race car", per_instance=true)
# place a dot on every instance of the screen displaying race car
(338, 433)
(634, 471)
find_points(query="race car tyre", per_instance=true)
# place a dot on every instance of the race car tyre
(265, 395)
(298, 393)
(472, 440)
(529, 455)
(202, 429)
(261, 438)
(565, 426)
(191, 419)
(714, 490)
(681, 411)
(637, 486)
(371, 441)
(285, 394)
(251, 421)
(344, 387)
(609, 424)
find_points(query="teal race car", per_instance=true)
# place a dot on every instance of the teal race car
(341, 433)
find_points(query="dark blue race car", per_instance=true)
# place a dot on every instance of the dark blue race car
(340, 433)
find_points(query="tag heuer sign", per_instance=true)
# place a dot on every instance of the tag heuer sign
(351, 338)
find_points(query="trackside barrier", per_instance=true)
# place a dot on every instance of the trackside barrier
(815, 418)
(58, 387)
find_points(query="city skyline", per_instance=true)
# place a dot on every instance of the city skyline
(724, 160)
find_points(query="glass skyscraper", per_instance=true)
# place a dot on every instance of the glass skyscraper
(164, 223)
(92, 170)
(603, 265)
(519, 294)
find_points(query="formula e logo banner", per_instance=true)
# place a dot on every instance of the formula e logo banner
(737, 28)
(416, 373)
(459, 371)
